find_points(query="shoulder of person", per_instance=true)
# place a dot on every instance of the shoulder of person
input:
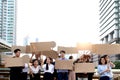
(51, 65)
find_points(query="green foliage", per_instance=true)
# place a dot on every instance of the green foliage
(117, 64)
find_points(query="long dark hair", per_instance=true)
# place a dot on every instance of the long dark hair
(100, 63)
(45, 62)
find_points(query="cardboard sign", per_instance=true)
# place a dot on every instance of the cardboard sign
(53, 54)
(22, 48)
(64, 64)
(16, 62)
(28, 49)
(84, 67)
(106, 48)
(68, 50)
(42, 46)
(25, 58)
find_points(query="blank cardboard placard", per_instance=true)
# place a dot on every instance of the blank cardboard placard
(106, 48)
(16, 62)
(22, 48)
(42, 46)
(64, 64)
(53, 54)
(68, 50)
(28, 49)
(25, 59)
(84, 67)
(84, 46)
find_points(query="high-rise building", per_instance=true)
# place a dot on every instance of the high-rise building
(109, 21)
(109, 12)
(8, 21)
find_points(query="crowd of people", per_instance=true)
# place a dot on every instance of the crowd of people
(50, 73)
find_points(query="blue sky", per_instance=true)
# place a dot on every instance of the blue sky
(64, 21)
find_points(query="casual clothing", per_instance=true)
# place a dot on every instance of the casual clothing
(101, 69)
(71, 75)
(90, 76)
(25, 72)
(35, 73)
(111, 73)
(50, 70)
(35, 76)
(15, 73)
(104, 78)
(62, 74)
(48, 74)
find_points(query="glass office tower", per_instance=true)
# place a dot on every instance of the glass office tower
(8, 21)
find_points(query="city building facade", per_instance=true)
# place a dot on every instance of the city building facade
(109, 21)
(8, 21)
(109, 28)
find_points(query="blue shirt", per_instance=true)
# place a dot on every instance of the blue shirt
(102, 68)
(62, 70)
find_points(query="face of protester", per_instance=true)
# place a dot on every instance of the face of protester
(48, 60)
(62, 55)
(107, 58)
(35, 63)
(102, 60)
(17, 54)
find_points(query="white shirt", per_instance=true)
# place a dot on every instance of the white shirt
(35, 70)
(25, 69)
(50, 69)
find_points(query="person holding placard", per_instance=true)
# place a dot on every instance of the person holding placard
(84, 76)
(103, 69)
(62, 74)
(15, 72)
(48, 68)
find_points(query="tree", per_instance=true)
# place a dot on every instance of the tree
(117, 64)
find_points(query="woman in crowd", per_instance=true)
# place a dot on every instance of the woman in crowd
(35, 70)
(71, 75)
(103, 69)
(48, 68)
(110, 64)
(84, 59)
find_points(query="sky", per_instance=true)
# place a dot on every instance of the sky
(66, 22)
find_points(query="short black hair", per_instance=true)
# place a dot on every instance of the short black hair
(62, 51)
(16, 50)
(70, 57)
